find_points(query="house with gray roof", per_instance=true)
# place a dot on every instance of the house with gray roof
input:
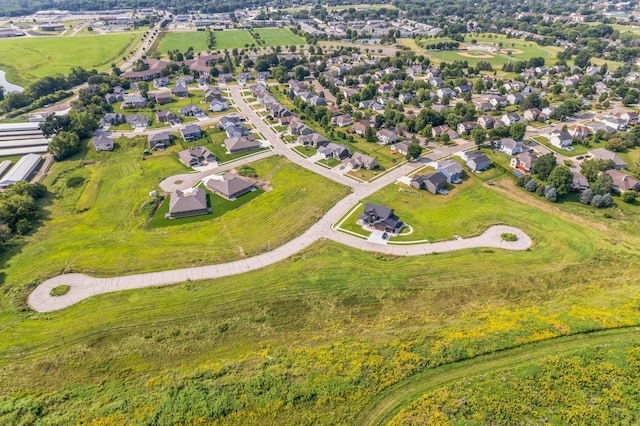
(191, 132)
(315, 140)
(451, 169)
(230, 186)
(137, 120)
(433, 182)
(180, 92)
(477, 161)
(623, 182)
(605, 154)
(380, 217)
(186, 204)
(167, 116)
(102, 143)
(134, 101)
(363, 161)
(159, 141)
(241, 144)
(332, 150)
(191, 111)
(400, 148)
(196, 156)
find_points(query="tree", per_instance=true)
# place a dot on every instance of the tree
(479, 135)
(544, 165)
(590, 169)
(517, 131)
(607, 201)
(531, 186)
(602, 184)
(414, 151)
(369, 134)
(560, 178)
(586, 196)
(540, 190)
(582, 58)
(596, 201)
(64, 145)
(551, 194)
(629, 196)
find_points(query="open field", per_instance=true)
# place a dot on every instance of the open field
(232, 39)
(279, 37)
(182, 41)
(27, 59)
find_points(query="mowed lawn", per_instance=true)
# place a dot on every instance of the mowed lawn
(279, 37)
(232, 39)
(98, 228)
(182, 41)
(27, 59)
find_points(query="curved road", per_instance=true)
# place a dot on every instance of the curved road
(83, 286)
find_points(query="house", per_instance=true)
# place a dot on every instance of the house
(167, 116)
(113, 98)
(438, 131)
(630, 117)
(405, 98)
(509, 146)
(510, 118)
(263, 76)
(615, 122)
(241, 144)
(225, 78)
(204, 80)
(191, 132)
(435, 81)
(112, 119)
(560, 139)
(362, 161)
(160, 82)
(360, 128)
(211, 93)
(317, 101)
(514, 98)
(236, 131)
(445, 91)
(229, 186)
(524, 161)
(605, 154)
(433, 182)
(243, 77)
(400, 148)
(159, 141)
(186, 204)
(228, 121)
(531, 114)
(161, 98)
(332, 150)
(298, 128)
(384, 89)
(498, 101)
(137, 120)
(466, 127)
(191, 111)
(315, 140)
(196, 156)
(342, 120)
(180, 92)
(386, 136)
(486, 121)
(578, 131)
(380, 218)
(451, 169)
(152, 70)
(134, 101)
(102, 143)
(477, 161)
(184, 80)
(367, 104)
(218, 105)
(623, 182)
(579, 183)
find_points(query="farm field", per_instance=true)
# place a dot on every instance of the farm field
(232, 39)
(182, 41)
(279, 37)
(27, 59)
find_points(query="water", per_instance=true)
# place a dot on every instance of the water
(8, 87)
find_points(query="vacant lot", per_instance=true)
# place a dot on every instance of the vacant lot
(182, 41)
(232, 39)
(27, 59)
(279, 37)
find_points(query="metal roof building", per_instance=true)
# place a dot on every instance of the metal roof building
(22, 138)
(22, 170)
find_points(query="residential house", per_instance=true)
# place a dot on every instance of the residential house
(180, 92)
(161, 98)
(218, 105)
(362, 161)
(204, 80)
(244, 77)
(466, 127)
(578, 131)
(405, 98)
(433, 182)
(630, 117)
(332, 150)
(263, 76)
(614, 122)
(386, 136)
(229, 186)
(186, 204)
(225, 78)
(191, 132)
(317, 101)
(623, 182)
(498, 101)
(160, 82)
(605, 154)
(315, 140)
(477, 161)
(167, 116)
(184, 80)
(298, 128)
(531, 114)
(134, 101)
(524, 161)
(509, 146)
(486, 121)
(236, 131)
(451, 169)
(113, 98)
(560, 139)
(211, 93)
(400, 148)
(228, 121)
(579, 182)
(510, 118)
(159, 141)
(112, 119)
(191, 111)
(435, 81)
(342, 120)
(445, 91)
(380, 217)
(241, 144)
(137, 120)
(102, 143)
(438, 131)
(196, 156)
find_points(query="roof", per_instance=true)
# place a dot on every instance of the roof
(190, 128)
(436, 178)
(378, 210)
(182, 202)
(13, 127)
(605, 154)
(229, 185)
(622, 181)
(102, 143)
(242, 142)
(165, 136)
(450, 166)
(22, 169)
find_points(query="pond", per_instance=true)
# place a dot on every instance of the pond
(8, 87)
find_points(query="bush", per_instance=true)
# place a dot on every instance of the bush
(61, 290)
(596, 201)
(607, 201)
(509, 237)
(247, 171)
(148, 208)
(629, 196)
(551, 195)
(75, 181)
(586, 196)
(540, 190)
(531, 186)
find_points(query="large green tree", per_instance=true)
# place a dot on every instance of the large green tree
(560, 178)
(544, 166)
(64, 145)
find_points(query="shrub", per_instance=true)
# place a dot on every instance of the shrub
(551, 195)
(61, 290)
(607, 201)
(596, 201)
(540, 190)
(629, 196)
(75, 181)
(509, 237)
(586, 196)
(247, 171)
(531, 186)
(148, 208)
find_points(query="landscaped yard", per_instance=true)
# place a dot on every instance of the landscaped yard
(27, 59)
(182, 41)
(305, 151)
(577, 148)
(279, 37)
(232, 39)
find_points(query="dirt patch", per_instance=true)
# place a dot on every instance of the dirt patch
(478, 56)
(507, 187)
(513, 51)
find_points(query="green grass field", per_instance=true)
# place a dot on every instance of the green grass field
(232, 39)
(182, 41)
(27, 59)
(279, 37)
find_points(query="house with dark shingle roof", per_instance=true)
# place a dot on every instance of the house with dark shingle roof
(230, 186)
(433, 182)
(196, 156)
(102, 143)
(380, 217)
(186, 204)
(241, 144)
(191, 132)
(159, 141)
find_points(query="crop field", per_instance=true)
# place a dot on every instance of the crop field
(182, 41)
(232, 39)
(27, 59)
(279, 37)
